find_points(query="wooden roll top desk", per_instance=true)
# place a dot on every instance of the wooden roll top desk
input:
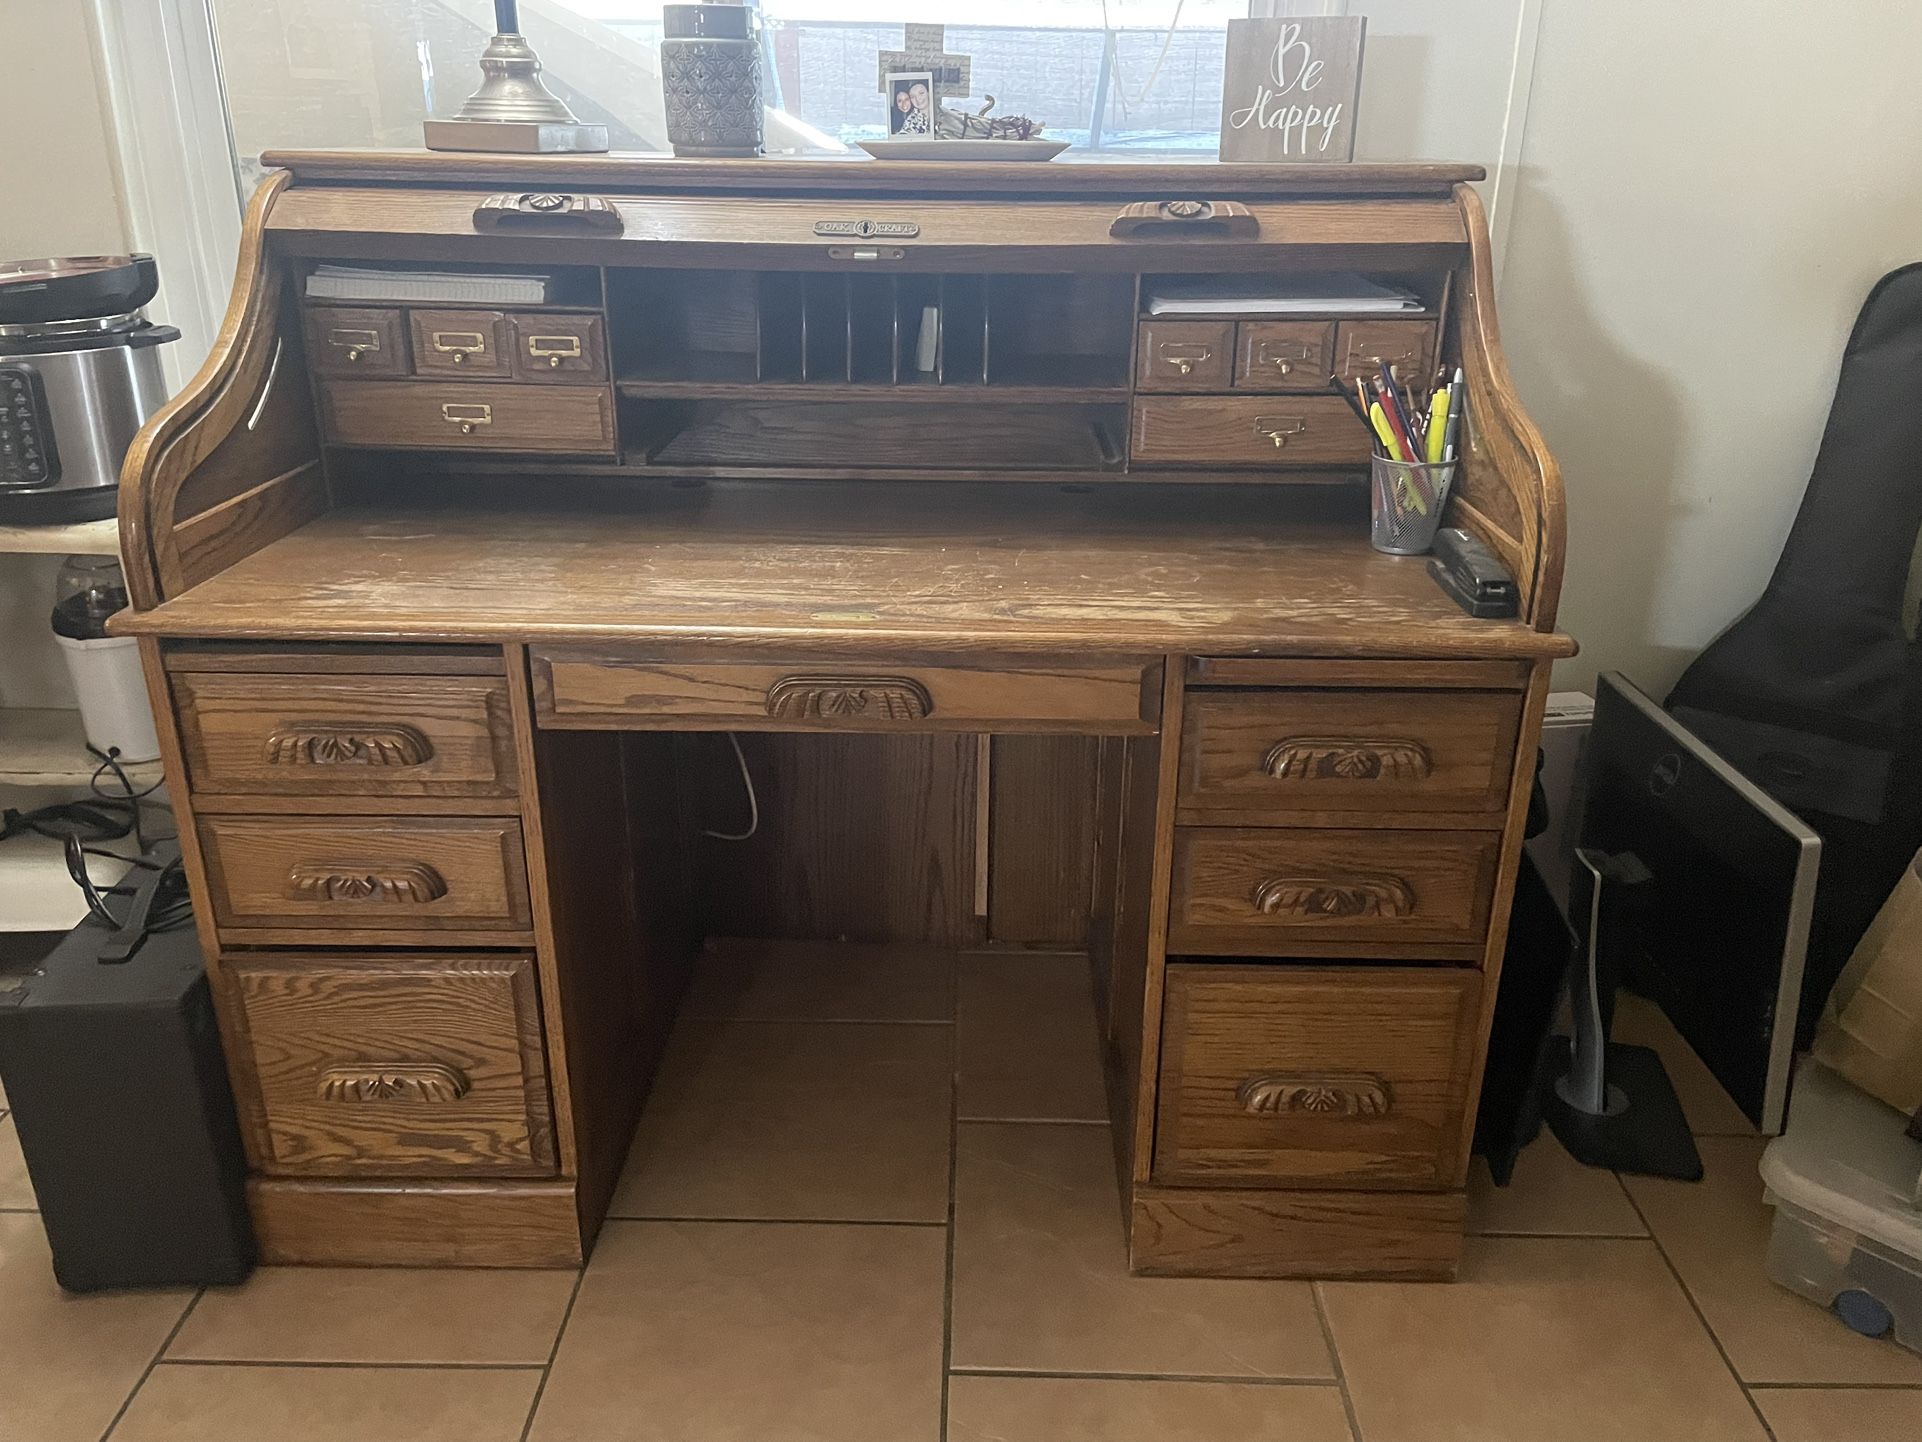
(1068, 633)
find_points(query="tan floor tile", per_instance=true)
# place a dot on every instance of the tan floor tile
(379, 1314)
(1716, 1232)
(1711, 1110)
(737, 980)
(1550, 1194)
(67, 1363)
(15, 1189)
(1539, 1340)
(181, 1403)
(1063, 1409)
(829, 1120)
(1027, 1044)
(1041, 1278)
(750, 1332)
(1834, 1414)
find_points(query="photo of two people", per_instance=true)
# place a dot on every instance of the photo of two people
(911, 103)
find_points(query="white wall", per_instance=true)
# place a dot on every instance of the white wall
(62, 196)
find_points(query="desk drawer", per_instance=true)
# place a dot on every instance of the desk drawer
(354, 341)
(343, 735)
(1362, 347)
(1185, 355)
(1284, 355)
(463, 416)
(1246, 891)
(1387, 751)
(1315, 1076)
(554, 347)
(397, 1065)
(367, 873)
(1247, 431)
(451, 343)
(587, 689)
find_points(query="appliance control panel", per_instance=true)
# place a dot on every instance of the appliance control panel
(28, 459)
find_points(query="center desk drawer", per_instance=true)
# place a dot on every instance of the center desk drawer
(1245, 891)
(1315, 1076)
(586, 689)
(1307, 751)
(367, 873)
(343, 735)
(468, 416)
(397, 1065)
(1247, 431)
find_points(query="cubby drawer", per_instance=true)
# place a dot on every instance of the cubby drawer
(551, 347)
(1250, 891)
(1362, 750)
(1362, 347)
(332, 735)
(460, 342)
(419, 874)
(1284, 355)
(343, 341)
(1185, 355)
(393, 1064)
(1315, 1076)
(572, 419)
(584, 688)
(1247, 431)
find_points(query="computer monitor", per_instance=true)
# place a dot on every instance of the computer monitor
(1716, 931)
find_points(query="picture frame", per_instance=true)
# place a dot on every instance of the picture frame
(910, 99)
(1290, 89)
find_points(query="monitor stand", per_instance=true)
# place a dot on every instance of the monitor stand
(1612, 1105)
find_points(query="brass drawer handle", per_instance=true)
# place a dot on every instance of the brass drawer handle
(1184, 356)
(1279, 428)
(321, 743)
(404, 1081)
(1343, 758)
(1334, 898)
(407, 883)
(1340, 1094)
(1283, 355)
(355, 342)
(467, 415)
(876, 698)
(1366, 364)
(458, 345)
(553, 349)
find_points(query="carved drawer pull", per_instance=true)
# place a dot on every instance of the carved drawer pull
(553, 349)
(458, 345)
(406, 1081)
(1340, 1094)
(1334, 898)
(355, 342)
(1344, 758)
(406, 883)
(1184, 356)
(874, 698)
(1228, 219)
(321, 743)
(1279, 428)
(467, 416)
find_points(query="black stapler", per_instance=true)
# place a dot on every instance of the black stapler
(1468, 571)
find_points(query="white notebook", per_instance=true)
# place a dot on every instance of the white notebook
(1339, 293)
(353, 282)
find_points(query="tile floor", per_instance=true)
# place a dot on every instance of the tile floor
(822, 1271)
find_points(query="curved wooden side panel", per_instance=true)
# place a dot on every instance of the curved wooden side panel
(1509, 490)
(233, 460)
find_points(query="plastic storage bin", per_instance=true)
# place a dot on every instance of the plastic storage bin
(1848, 1232)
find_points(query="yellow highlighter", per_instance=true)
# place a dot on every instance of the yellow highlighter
(1438, 425)
(1409, 494)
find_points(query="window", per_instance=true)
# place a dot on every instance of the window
(1115, 75)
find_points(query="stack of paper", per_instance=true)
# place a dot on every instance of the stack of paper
(354, 282)
(1334, 293)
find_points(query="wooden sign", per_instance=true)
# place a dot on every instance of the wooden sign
(1290, 88)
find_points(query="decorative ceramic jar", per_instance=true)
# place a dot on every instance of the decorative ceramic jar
(711, 78)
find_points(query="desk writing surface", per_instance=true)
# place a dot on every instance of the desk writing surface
(855, 567)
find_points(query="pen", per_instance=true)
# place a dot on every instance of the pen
(1457, 403)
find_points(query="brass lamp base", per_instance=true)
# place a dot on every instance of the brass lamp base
(514, 110)
(518, 137)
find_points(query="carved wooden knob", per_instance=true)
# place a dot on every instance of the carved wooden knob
(1185, 209)
(423, 1081)
(840, 698)
(323, 743)
(1360, 1094)
(1347, 758)
(1334, 898)
(406, 883)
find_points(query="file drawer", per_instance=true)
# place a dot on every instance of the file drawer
(552, 347)
(1250, 891)
(346, 735)
(419, 874)
(394, 1064)
(1247, 431)
(1185, 355)
(1362, 347)
(1315, 1076)
(1363, 750)
(346, 341)
(567, 419)
(1284, 355)
(460, 342)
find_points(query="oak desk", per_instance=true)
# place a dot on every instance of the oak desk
(1071, 638)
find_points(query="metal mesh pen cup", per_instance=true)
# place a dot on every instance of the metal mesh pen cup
(1405, 503)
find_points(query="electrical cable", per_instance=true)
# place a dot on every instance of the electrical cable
(753, 802)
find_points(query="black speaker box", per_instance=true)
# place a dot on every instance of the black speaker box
(119, 1093)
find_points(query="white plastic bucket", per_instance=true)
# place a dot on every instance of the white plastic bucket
(113, 695)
